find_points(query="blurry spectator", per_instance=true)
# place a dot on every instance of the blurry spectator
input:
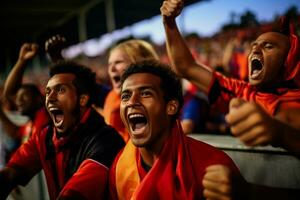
(7, 143)
(120, 57)
(194, 111)
(235, 58)
(27, 97)
(274, 76)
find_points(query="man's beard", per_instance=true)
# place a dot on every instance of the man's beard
(76, 112)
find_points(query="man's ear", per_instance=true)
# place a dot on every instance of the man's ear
(84, 99)
(172, 107)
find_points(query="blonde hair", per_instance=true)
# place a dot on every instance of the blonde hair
(137, 50)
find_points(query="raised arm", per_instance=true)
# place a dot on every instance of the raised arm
(179, 54)
(14, 79)
(54, 46)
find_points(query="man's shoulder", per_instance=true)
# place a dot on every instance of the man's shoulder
(103, 144)
(225, 81)
(108, 134)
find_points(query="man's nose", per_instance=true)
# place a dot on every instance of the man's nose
(256, 49)
(134, 100)
(52, 96)
(113, 68)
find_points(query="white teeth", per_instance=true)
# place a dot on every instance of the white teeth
(52, 109)
(135, 115)
(256, 58)
(255, 71)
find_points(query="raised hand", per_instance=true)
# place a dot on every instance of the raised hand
(53, 47)
(171, 8)
(28, 51)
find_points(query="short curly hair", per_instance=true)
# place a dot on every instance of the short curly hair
(85, 81)
(170, 82)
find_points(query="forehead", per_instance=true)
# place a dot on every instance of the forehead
(273, 37)
(139, 80)
(24, 91)
(118, 53)
(65, 78)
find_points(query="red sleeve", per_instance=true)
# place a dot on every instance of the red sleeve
(223, 89)
(27, 159)
(88, 182)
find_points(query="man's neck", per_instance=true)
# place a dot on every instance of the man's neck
(148, 157)
(150, 153)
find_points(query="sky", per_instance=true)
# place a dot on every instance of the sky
(207, 17)
(204, 18)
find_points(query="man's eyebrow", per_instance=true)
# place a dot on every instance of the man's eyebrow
(57, 85)
(124, 91)
(139, 88)
(145, 87)
(253, 43)
(263, 42)
(270, 42)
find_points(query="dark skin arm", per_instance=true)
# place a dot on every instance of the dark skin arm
(180, 56)
(14, 80)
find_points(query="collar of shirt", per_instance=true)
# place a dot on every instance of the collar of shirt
(61, 142)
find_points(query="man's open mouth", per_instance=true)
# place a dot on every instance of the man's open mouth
(256, 67)
(57, 116)
(19, 106)
(117, 79)
(137, 122)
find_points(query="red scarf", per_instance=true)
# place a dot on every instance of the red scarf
(172, 176)
(292, 64)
